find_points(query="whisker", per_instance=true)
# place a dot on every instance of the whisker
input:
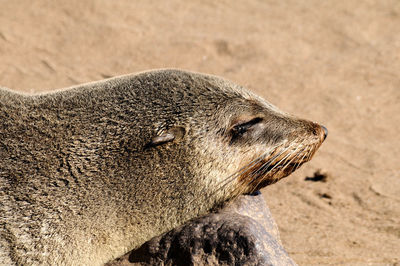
(286, 162)
(228, 179)
(289, 162)
(267, 163)
(301, 160)
(239, 172)
(278, 163)
(251, 176)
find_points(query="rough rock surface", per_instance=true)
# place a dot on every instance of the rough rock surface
(242, 233)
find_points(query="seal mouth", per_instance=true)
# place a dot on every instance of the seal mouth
(277, 170)
(287, 168)
(268, 169)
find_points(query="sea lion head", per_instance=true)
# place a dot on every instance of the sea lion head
(234, 141)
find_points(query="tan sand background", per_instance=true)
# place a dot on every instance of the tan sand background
(335, 62)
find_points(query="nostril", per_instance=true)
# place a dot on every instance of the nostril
(325, 131)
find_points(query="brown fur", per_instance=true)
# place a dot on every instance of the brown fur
(90, 172)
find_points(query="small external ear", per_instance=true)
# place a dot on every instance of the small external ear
(175, 133)
(161, 139)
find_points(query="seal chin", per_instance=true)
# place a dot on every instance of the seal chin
(267, 170)
(276, 173)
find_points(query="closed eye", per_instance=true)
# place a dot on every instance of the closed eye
(241, 128)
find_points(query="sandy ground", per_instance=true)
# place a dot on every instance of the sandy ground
(335, 62)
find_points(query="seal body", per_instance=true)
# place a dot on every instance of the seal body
(90, 172)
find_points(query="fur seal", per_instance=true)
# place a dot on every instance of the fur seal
(90, 172)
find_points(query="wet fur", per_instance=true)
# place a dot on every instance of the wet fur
(90, 172)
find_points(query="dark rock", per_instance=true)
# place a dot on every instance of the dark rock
(242, 233)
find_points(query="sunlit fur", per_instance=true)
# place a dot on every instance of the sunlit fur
(90, 172)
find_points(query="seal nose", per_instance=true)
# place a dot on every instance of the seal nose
(325, 131)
